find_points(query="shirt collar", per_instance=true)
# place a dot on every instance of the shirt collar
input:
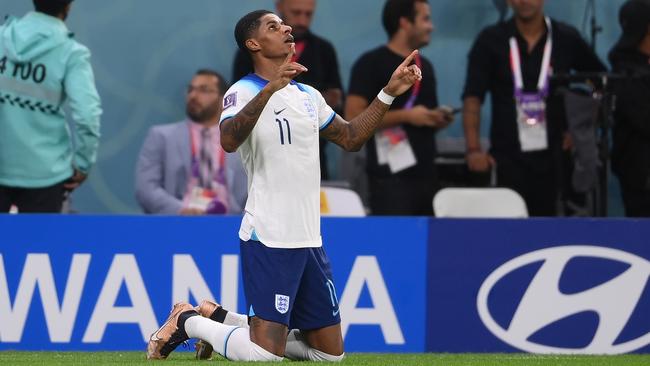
(511, 26)
(260, 81)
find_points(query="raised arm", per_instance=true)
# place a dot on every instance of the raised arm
(353, 134)
(235, 130)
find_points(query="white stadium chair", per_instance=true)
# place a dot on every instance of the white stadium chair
(479, 202)
(341, 202)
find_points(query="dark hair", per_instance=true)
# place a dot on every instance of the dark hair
(396, 9)
(51, 7)
(246, 26)
(222, 84)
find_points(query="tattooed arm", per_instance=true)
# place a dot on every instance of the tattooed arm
(352, 135)
(235, 130)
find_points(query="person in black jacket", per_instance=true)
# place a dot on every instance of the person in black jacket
(631, 141)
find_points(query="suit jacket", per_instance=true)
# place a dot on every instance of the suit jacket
(164, 166)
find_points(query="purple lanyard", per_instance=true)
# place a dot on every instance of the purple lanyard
(416, 87)
(515, 64)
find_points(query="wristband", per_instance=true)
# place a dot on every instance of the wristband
(385, 98)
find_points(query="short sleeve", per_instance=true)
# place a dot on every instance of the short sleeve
(363, 79)
(479, 68)
(237, 97)
(325, 113)
(585, 59)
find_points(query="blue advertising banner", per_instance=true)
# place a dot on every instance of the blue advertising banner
(541, 286)
(106, 283)
(536, 285)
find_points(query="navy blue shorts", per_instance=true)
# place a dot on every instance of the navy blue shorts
(289, 286)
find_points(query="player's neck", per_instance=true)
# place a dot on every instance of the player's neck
(399, 45)
(266, 68)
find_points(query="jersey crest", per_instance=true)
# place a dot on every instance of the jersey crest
(281, 303)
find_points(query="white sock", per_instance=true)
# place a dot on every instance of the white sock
(240, 348)
(236, 319)
(298, 350)
(230, 341)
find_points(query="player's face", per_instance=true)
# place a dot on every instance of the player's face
(203, 99)
(298, 14)
(527, 9)
(422, 26)
(274, 37)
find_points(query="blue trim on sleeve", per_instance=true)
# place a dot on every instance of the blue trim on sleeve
(300, 86)
(251, 312)
(329, 120)
(225, 343)
(225, 118)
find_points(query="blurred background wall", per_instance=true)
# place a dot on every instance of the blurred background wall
(145, 52)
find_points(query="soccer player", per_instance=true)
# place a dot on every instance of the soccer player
(275, 124)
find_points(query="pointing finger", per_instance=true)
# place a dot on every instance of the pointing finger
(407, 61)
(292, 52)
(302, 68)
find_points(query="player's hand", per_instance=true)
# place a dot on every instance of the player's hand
(404, 77)
(286, 72)
(75, 181)
(479, 161)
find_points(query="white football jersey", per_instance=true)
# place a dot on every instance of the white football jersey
(281, 157)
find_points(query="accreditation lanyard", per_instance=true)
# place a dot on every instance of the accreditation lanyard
(416, 87)
(515, 65)
(397, 134)
(219, 173)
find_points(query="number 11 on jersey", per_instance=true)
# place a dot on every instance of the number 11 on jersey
(281, 127)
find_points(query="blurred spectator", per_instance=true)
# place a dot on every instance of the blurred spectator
(182, 168)
(400, 159)
(41, 68)
(315, 53)
(523, 140)
(631, 143)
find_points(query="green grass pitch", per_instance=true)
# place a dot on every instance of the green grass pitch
(353, 359)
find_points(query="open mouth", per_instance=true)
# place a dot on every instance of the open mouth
(289, 39)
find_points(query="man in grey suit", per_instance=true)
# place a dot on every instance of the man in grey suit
(182, 168)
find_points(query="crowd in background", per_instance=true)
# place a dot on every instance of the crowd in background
(182, 168)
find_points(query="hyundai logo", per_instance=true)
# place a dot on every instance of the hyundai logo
(543, 303)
